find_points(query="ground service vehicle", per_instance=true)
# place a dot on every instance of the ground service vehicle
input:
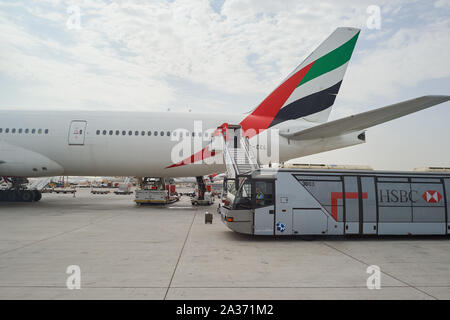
(337, 202)
(155, 191)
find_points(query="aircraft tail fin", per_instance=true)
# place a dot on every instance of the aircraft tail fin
(310, 90)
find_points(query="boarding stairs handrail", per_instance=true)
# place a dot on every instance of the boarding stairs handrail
(239, 160)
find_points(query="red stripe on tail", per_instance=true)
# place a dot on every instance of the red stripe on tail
(263, 115)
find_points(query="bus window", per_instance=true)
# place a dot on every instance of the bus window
(230, 190)
(264, 193)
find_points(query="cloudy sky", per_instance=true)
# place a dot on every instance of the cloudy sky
(227, 55)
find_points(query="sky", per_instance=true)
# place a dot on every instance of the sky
(227, 56)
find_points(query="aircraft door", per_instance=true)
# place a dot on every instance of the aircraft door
(234, 135)
(77, 132)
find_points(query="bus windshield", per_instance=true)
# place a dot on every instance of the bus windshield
(253, 194)
(243, 199)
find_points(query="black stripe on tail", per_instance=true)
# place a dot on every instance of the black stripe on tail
(308, 105)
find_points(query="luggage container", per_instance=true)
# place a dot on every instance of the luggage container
(337, 202)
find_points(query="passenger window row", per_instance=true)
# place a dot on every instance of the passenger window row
(147, 133)
(23, 131)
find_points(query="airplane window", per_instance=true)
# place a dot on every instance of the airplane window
(13, 131)
(110, 132)
(130, 133)
(104, 132)
(193, 134)
(162, 133)
(117, 132)
(143, 133)
(40, 131)
(149, 133)
(136, 133)
(19, 131)
(27, 130)
(124, 133)
(168, 133)
(206, 134)
(6, 130)
(1, 130)
(33, 131)
(46, 131)
(174, 133)
(98, 132)
(156, 133)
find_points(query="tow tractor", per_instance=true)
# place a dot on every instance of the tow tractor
(156, 191)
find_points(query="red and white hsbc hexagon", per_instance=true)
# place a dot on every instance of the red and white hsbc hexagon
(431, 196)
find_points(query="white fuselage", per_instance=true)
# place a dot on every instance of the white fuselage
(48, 151)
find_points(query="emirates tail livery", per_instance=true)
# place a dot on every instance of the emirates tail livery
(40, 143)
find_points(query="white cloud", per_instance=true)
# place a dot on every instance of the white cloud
(405, 60)
(137, 54)
(442, 4)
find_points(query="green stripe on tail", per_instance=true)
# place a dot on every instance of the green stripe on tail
(331, 60)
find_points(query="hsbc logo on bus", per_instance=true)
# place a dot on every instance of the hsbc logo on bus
(397, 196)
(431, 196)
(403, 196)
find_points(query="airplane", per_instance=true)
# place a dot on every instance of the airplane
(140, 144)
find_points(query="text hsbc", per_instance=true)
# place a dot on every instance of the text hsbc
(397, 196)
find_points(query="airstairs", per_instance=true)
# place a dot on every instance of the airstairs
(238, 154)
(40, 183)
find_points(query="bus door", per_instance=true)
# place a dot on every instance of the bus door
(264, 204)
(368, 206)
(360, 209)
(77, 132)
(351, 205)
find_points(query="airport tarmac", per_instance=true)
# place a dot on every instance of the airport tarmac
(126, 251)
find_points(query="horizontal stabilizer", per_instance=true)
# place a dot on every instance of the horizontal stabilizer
(367, 119)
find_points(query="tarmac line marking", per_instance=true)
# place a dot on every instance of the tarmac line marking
(181, 252)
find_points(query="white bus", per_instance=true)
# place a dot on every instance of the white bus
(337, 202)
